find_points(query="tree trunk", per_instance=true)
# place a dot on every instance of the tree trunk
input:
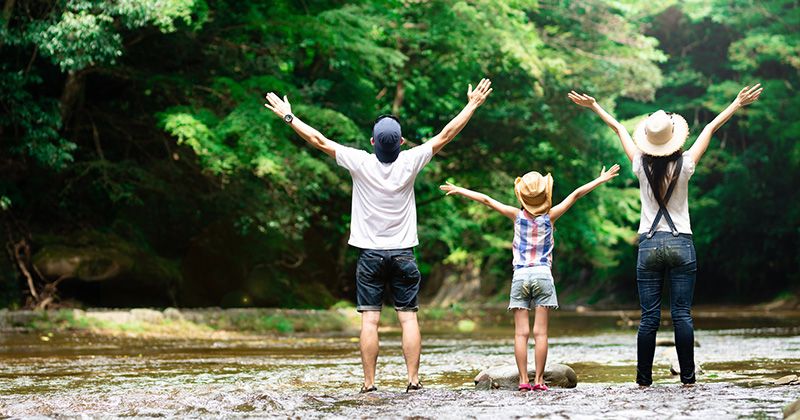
(399, 95)
(73, 90)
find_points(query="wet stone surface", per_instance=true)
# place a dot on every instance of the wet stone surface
(318, 376)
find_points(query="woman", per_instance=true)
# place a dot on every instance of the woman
(666, 249)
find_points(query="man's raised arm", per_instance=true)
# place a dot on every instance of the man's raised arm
(283, 109)
(476, 98)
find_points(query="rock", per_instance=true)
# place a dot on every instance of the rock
(792, 410)
(786, 380)
(664, 342)
(101, 269)
(173, 314)
(675, 368)
(147, 315)
(668, 342)
(466, 325)
(507, 377)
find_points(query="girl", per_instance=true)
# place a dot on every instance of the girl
(533, 256)
(666, 249)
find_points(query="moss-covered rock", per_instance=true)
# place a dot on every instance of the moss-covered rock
(105, 270)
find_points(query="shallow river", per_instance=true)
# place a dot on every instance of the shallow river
(316, 376)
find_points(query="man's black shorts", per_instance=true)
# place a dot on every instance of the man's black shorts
(395, 267)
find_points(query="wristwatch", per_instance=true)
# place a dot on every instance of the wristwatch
(288, 118)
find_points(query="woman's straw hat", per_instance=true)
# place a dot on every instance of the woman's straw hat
(535, 192)
(661, 134)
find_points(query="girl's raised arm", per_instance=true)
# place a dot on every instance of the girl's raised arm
(587, 101)
(562, 207)
(505, 210)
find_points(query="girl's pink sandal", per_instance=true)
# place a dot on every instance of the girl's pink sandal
(540, 387)
(526, 387)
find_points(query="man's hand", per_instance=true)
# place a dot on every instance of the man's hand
(477, 96)
(607, 175)
(748, 95)
(449, 188)
(582, 99)
(278, 106)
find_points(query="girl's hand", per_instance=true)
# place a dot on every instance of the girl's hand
(748, 95)
(581, 99)
(450, 189)
(606, 175)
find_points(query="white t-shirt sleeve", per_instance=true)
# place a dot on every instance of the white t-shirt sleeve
(350, 158)
(636, 164)
(688, 164)
(420, 156)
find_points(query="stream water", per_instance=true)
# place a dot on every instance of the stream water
(73, 374)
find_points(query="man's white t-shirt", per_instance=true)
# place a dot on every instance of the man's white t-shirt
(678, 204)
(384, 213)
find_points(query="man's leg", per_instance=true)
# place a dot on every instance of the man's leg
(369, 298)
(412, 344)
(369, 345)
(405, 288)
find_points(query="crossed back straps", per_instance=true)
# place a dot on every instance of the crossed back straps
(662, 204)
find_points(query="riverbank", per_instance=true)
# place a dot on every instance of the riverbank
(219, 323)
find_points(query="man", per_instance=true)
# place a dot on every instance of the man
(384, 221)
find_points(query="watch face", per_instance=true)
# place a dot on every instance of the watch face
(288, 118)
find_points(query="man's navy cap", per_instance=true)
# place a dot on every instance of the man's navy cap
(387, 136)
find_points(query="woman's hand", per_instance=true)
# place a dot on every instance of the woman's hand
(607, 175)
(582, 99)
(450, 189)
(748, 95)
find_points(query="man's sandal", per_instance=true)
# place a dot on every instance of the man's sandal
(412, 387)
(525, 387)
(365, 390)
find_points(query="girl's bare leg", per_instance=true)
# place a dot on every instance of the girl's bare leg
(540, 341)
(522, 331)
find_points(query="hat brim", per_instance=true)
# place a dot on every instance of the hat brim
(542, 208)
(679, 136)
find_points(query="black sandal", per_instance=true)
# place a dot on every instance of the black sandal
(412, 387)
(365, 390)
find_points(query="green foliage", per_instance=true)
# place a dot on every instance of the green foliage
(144, 119)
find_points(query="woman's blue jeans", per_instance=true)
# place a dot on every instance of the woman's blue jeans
(665, 257)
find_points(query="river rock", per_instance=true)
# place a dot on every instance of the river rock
(675, 368)
(173, 314)
(507, 377)
(668, 342)
(147, 315)
(787, 380)
(792, 411)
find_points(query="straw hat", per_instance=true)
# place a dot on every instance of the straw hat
(661, 134)
(535, 192)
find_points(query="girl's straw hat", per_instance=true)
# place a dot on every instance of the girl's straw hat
(535, 192)
(661, 134)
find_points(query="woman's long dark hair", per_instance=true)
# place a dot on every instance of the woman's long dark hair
(660, 167)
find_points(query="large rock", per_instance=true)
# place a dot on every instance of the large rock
(100, 269)
(792, 411)
(787, 380)
(507, 377)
